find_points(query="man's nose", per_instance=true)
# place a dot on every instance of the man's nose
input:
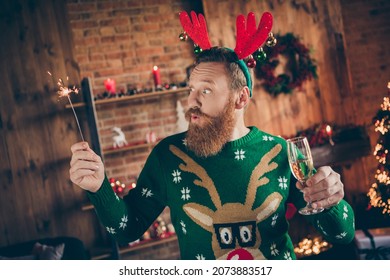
(193, 99)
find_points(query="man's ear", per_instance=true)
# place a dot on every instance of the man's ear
(242, 98)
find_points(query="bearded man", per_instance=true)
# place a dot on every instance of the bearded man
(227, 185)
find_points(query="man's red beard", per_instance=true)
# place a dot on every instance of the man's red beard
(208, 138)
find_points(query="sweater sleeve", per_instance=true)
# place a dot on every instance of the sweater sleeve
(128, 218)
(336, 224)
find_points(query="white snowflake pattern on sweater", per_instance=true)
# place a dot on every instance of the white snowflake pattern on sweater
(283, 182)
(287, 256)
(146, 192)
(274, 250)
(239, 154)
(123, 222)
(341, 235)
(268, 138)
(176, 176)
(185, 193)
(183, 227)
(110, 230)
(345, 213)
(274, 219)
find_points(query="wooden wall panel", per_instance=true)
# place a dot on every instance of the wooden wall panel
(37, 199)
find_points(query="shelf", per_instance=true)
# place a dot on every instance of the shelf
(341, 153)
(131, 97)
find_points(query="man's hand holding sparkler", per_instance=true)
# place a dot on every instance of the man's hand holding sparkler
(86, 167)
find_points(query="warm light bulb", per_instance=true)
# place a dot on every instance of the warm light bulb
(307, 246)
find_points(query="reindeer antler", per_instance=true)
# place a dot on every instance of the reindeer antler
(197, 29)
(248, 38)
(205, 181)
(265, 165)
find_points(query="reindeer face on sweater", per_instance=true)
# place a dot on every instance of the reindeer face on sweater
(233, 226)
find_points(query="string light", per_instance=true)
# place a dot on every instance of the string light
(382, 177)
(381, 127)
(379, 193)
(308, 247)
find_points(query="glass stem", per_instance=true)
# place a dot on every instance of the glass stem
(308, 205)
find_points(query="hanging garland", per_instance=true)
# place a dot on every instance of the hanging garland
(302, 66)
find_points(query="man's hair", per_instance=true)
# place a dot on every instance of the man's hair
(229, 58)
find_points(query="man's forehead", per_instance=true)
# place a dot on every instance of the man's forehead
(210, 65)
(207, 72)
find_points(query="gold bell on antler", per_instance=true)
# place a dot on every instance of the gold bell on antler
(271, 40)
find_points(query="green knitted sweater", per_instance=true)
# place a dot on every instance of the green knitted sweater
(228, 206)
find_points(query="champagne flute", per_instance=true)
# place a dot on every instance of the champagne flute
(301, 165)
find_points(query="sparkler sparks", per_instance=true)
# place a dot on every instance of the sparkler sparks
(64, 91)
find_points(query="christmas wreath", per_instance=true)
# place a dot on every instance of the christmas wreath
(301, 65)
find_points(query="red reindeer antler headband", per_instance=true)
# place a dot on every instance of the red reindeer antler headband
(197, 29)
(249, 39)
(248, 42)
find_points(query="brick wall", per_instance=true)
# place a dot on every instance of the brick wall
(123, 40)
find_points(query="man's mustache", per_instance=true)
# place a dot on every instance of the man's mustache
(195, 111)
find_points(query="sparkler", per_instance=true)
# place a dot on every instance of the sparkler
(66, 91)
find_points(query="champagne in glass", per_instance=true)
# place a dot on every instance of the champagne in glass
(301, 165)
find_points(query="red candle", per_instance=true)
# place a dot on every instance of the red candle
(110, 85)
(329, 130)
(156, 76)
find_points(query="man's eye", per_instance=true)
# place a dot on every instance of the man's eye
(206, 91)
